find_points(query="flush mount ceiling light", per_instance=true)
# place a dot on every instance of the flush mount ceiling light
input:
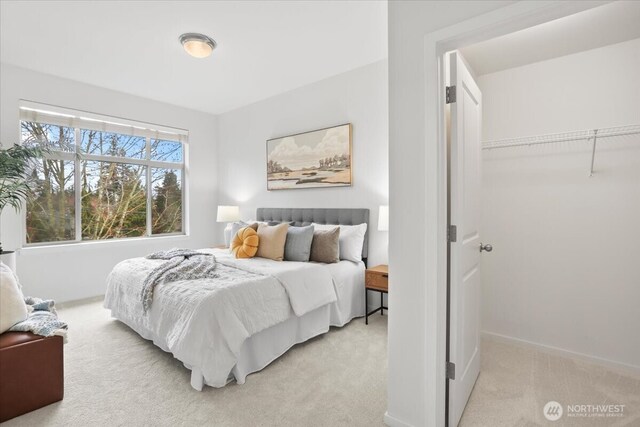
(197, 45)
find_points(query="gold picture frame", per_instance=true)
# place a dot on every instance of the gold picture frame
(320, 158)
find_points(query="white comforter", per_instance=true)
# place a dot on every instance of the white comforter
(203, 323)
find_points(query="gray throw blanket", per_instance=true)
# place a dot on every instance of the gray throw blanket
(42, 320)
(182, 264)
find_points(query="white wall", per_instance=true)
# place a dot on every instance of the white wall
(591, 89)
(563, 272)
(358, 97)
(414, 385)
(78, 271)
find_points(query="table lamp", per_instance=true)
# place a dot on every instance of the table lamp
(383, 218)
(228, 214)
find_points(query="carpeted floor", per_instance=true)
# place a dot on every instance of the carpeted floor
(516, 382)
(115, 378)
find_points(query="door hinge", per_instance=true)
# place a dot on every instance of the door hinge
(452, 233)
(451, 94)
(451, 371)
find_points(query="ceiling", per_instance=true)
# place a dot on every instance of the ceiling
(601, 26)
(264, 48)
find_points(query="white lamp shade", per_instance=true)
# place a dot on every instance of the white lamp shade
(228, 213)
(383, 218)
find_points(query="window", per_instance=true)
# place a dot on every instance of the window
(102, 178)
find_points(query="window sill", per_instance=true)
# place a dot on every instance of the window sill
(98, 244)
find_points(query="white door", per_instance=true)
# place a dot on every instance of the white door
(464, 273)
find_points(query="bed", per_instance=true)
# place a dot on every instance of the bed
(226, 328)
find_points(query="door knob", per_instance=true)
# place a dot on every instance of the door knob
(486, 247)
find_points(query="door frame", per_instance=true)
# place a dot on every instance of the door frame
(509, 19)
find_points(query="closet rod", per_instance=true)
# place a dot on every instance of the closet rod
(585, 135)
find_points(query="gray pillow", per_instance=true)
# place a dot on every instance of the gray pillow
(238, 225)
(325, 246)
(298, 245)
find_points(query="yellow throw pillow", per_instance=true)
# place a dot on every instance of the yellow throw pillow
(245, 243)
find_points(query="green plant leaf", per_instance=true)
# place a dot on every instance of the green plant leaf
(14, 173)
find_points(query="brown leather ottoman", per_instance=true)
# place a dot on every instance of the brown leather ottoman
(31, 372)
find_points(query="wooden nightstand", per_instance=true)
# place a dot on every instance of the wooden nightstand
(375, 279)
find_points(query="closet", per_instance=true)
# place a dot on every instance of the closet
(543, 150)
(561, 187)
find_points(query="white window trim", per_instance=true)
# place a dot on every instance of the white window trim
(32, 111)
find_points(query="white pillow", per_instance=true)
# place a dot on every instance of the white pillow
(351, 239)
(12, 306)
(251, 221)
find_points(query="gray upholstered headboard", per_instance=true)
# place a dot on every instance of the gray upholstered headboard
(305, 216)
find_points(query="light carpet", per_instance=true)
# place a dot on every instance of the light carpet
(113, 377)
(516, 382)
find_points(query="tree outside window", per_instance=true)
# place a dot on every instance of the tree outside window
(96, 185)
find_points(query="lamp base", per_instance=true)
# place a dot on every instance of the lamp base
(227, 234)
(9, 259)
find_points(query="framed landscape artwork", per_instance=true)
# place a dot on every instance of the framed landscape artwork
(316, 159)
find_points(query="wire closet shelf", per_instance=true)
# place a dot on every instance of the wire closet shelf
(589, 135)
(581, 135)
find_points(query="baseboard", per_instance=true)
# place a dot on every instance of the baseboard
(394, 422)
(74, 303)
(619, 367)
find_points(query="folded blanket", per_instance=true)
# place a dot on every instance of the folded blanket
(308, 285)
(43, 319)
(182, 264)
